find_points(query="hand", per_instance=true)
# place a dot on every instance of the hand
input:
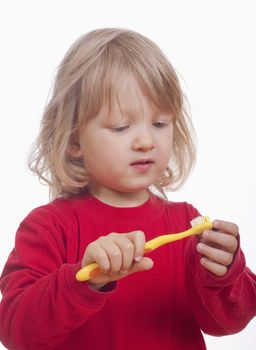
(218, 247)
(118, 255)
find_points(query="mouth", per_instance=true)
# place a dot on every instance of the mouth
(142, 164)
(143, 161)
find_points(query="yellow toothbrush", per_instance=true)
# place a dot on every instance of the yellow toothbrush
(198, 224)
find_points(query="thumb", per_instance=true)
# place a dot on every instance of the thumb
(144, 264)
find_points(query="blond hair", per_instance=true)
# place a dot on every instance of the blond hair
(84, 83)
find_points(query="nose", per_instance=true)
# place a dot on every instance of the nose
(143, 140)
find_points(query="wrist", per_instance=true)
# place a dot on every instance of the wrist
(96, 286)
(103, 287)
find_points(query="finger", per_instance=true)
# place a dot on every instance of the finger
(217, 255)
(143, 265)
(113, 252)
(97, 254)
(219, 239)
(127, 248)
(215, 268)
(227, 227)
(138, 239)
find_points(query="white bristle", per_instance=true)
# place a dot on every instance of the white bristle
(199, 220)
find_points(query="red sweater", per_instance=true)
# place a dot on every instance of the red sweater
(44, 307)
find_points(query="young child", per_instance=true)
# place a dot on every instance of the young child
(114, 135)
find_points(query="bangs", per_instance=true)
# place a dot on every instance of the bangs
(155, 75)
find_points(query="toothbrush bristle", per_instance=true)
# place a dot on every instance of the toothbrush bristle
(199, 220)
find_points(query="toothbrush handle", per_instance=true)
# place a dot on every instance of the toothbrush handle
(93, 270)
(88, 272)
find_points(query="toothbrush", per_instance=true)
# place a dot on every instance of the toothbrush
(199, 224)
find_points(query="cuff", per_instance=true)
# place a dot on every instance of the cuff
(82, 290)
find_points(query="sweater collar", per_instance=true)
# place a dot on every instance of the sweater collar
(149, 209)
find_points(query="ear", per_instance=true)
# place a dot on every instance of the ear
(75, 150)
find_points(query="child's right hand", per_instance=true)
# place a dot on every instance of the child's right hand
(118, 255)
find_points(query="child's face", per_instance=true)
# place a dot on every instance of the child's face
(126, 150)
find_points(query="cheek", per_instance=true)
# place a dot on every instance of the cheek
(102, 157)
(167, 144)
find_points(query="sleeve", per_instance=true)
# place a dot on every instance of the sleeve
(221, 305)
(42, 301)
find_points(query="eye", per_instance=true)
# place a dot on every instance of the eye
(160, 124)
(119, 129)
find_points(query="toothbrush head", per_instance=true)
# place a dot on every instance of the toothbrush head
(202, 223)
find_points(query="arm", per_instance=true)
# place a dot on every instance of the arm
(42, 302)
(224, 303)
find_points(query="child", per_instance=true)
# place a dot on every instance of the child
(114, 134)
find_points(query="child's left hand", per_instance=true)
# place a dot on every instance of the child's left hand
(218, 247)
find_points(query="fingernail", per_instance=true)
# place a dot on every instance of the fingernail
(206, 234)
(215, 223)
(138, 258)
(202, 261)
(150, 265)
(199, 247)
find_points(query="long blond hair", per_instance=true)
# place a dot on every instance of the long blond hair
(85, 81)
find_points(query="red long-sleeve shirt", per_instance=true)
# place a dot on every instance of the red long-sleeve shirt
(44, 307)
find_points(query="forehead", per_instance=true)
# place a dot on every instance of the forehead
(129, 99)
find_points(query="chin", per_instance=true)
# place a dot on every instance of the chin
(132, 187)
(135, 189)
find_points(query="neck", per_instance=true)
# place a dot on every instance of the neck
(120, 199)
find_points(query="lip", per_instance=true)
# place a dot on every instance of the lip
(142, 165)
(143, 161)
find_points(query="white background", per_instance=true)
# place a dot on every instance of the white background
(211, 44)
